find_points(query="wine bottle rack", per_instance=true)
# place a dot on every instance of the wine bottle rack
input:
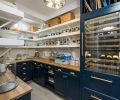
(102, 44)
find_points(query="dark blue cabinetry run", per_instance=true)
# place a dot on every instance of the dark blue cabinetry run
(62, 81)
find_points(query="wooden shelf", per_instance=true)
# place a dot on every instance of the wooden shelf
(103, 41)
(103, 25)
(102, 19)
(103, 46)
(103, 66)
(105, 36)
(104, 60)
(92, 32)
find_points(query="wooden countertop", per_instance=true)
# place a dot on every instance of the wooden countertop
(66, 66)
(19, 91)
(47, 61)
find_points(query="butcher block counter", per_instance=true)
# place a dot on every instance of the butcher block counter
(47, 61)
(21, 90)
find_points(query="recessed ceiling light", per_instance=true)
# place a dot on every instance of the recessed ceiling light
(56, 4)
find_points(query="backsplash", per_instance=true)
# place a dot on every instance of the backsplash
(44, 53)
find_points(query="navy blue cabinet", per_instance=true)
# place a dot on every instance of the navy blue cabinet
(60, 82)
(39, 73)
(73, 87)
(67, 83)
(24, 70)
(25, 97)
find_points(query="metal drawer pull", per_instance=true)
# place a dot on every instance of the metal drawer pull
(94, 97)
(24, 78)
(24, 68)
(64, 76)
(24, 73)
(101, 79)
(49, 67)
(59, 70)
(24, 63)
(72, 73)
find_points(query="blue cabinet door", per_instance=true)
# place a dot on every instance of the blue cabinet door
(73, 87)
(36, 72)
(60, 82)
(39, 73)
(25, 97)
(42, 75)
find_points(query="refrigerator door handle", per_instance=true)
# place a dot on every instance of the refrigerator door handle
(82, 43)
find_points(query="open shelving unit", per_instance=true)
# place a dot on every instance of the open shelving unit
(38, 47)
(53, 37)
(59, 25)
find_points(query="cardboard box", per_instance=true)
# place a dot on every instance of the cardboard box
(33, 29)
(54, 21)
(67, 17)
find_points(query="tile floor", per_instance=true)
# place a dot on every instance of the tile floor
(41, 93)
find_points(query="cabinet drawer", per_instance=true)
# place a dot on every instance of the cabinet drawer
(89, 94)
(69, 72)
(103, 83)
(22, 63)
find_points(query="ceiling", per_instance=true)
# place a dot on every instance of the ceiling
(38, 9)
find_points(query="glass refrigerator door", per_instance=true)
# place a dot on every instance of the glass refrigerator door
(102, 44)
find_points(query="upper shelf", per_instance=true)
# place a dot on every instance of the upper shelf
(42, 47)
(10, 13)
(56, 26)
(53, 37)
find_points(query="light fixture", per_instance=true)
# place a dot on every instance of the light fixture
(56, 4)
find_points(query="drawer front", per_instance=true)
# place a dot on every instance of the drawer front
(25, 76)
(103, 83)
(69, 72)
(89, 94)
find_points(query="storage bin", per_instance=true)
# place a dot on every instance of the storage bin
(54, 21)
(67, 17)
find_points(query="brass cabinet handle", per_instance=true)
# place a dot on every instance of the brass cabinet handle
(94, 97)
(101, 79)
